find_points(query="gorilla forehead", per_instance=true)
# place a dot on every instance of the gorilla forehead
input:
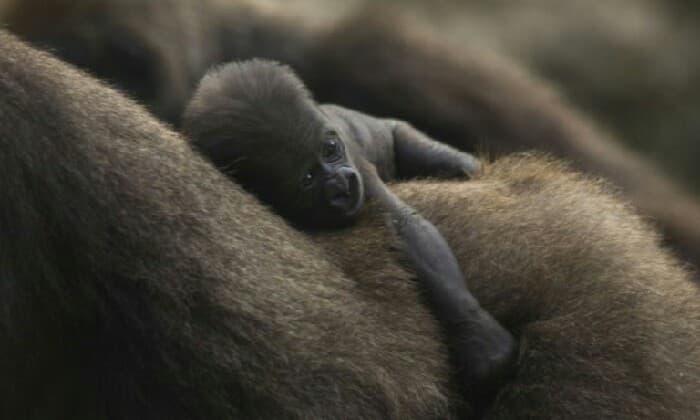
(298, 142)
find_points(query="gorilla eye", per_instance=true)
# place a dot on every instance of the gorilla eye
(331, 150)
(307, 179)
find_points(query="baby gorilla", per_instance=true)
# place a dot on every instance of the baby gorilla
(315, 164)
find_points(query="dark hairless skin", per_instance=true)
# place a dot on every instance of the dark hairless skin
(316, 164)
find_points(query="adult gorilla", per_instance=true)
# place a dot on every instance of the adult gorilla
(137, 282)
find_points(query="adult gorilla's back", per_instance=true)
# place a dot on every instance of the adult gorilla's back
(139, 283)
(136, 282)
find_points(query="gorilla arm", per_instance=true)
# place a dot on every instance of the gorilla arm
(483, 351)
(417, 155)
(398, 150)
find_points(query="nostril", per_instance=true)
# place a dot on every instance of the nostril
(337, 191)
(342, 188)
(351, 179)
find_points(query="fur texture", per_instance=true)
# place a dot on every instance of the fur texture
(137, 282)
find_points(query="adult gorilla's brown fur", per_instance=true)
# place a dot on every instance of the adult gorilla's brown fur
(137, 282)
(158, 49)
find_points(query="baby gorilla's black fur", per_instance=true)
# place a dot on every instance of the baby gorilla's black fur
(257, 119)
(315, 164)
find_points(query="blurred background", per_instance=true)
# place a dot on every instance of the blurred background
(634, 65)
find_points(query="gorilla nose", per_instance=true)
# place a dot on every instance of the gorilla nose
(340, 188)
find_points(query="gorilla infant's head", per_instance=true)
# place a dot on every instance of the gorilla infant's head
(258, 123)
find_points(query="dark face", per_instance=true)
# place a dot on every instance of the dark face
(329, 181)
(317, 184)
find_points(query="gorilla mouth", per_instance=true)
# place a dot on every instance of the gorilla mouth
(349, 200)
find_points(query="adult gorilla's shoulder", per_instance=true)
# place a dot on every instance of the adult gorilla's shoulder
(137, 282)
